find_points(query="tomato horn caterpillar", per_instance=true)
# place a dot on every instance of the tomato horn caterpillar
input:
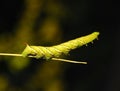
(57, 50)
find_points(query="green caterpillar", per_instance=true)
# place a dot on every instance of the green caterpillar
(57, 50)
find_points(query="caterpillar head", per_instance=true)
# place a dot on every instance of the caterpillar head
(28, 51)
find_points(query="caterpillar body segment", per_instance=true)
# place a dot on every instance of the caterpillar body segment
(58, 50)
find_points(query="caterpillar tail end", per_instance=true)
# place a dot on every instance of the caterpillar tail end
(28, 51)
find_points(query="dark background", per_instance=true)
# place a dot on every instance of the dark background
(83, 17)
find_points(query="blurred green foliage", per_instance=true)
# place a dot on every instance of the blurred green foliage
(34, 31)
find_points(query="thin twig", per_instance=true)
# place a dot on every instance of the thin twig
(9, 54)
(70, 61)
(57, 59)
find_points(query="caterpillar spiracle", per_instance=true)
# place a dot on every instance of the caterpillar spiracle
(57, 50)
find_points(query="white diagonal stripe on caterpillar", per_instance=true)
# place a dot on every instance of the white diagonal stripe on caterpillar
(48, 49)
(57, 49)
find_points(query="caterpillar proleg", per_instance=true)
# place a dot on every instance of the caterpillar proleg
(57, 50)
